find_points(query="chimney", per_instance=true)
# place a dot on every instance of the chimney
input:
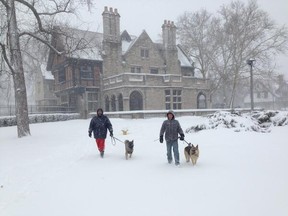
(169, 34)
(170, 48)
(111, 24)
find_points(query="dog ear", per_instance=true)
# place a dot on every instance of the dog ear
(197, 146)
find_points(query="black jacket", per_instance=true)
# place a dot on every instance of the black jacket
(99, 125)
(171, 128)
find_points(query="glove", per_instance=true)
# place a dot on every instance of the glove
(111, 133)
(182, 137)
(90, 134)
(161, 139)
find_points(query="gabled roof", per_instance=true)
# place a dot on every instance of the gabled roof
(127, 41)
(79, 44)
(185, 61)
(127, 45)
(83, 44)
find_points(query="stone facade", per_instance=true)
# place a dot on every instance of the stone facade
(131, 73)
(140, 74)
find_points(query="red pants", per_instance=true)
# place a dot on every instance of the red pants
(100, 144)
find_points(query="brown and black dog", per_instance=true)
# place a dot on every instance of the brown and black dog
(129, 148)
(191, 152)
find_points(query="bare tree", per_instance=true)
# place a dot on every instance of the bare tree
(238, 33)
(40, 28)
(193, 34)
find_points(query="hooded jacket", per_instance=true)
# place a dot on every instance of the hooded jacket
(99, 124)
(171, 128)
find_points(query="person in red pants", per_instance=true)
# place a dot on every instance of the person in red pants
(99, 125)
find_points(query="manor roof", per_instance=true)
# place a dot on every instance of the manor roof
(87, 45)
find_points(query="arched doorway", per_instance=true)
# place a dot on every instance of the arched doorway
(201, 101)
(120, 102)
(136, 101)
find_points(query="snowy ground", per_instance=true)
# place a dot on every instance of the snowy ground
(58, 172)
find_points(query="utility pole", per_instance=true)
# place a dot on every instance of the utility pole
(250, 63)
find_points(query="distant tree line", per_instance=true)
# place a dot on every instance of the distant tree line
(220, 44)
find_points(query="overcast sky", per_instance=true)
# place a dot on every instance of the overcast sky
(149, 15)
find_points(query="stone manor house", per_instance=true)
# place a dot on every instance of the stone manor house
(121, 72)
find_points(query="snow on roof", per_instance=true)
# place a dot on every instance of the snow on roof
(183, 58)
(46, 74)
(89, 54)
(88, 45)
(126, 45)
(82, 44)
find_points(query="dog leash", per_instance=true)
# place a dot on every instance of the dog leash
(185, 141)
(114, 140)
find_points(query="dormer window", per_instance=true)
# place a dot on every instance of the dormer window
(144, 53)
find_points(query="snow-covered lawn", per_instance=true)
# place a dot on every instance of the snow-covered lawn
(58, 172)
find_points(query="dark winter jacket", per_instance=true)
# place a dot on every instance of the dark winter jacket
(99, 125)
(171, 128)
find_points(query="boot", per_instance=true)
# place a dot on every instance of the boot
(102, 154)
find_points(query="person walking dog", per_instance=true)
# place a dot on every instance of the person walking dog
(171, 128)
(99, 125)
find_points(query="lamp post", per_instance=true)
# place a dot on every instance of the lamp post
(250, 63)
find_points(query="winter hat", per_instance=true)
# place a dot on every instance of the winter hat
(171, 112)
(99, 111)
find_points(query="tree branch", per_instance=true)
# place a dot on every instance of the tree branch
(4, 3)
(32, 8)
(62, 9)
(5, 56)
(41, 40)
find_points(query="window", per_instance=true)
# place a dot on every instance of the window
(154, 71)
(144, 53)
(120, 102)
(64, 99)
(86, 72)
(92, 101)
(62, 75)
(136, 101)
(135, 69)
(173, 99)
(107, 104)
(113, 103)
(201, 101)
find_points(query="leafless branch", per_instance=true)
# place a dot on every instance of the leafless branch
(6, 58)
(4, 3)
(43, 41)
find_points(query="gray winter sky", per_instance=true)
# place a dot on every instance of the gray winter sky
(149, 15)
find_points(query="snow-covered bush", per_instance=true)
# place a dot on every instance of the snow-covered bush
(39, 118)
(260, 121)
(276, 118)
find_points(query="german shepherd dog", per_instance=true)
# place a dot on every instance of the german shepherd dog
(191, 152)
(129, 147)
